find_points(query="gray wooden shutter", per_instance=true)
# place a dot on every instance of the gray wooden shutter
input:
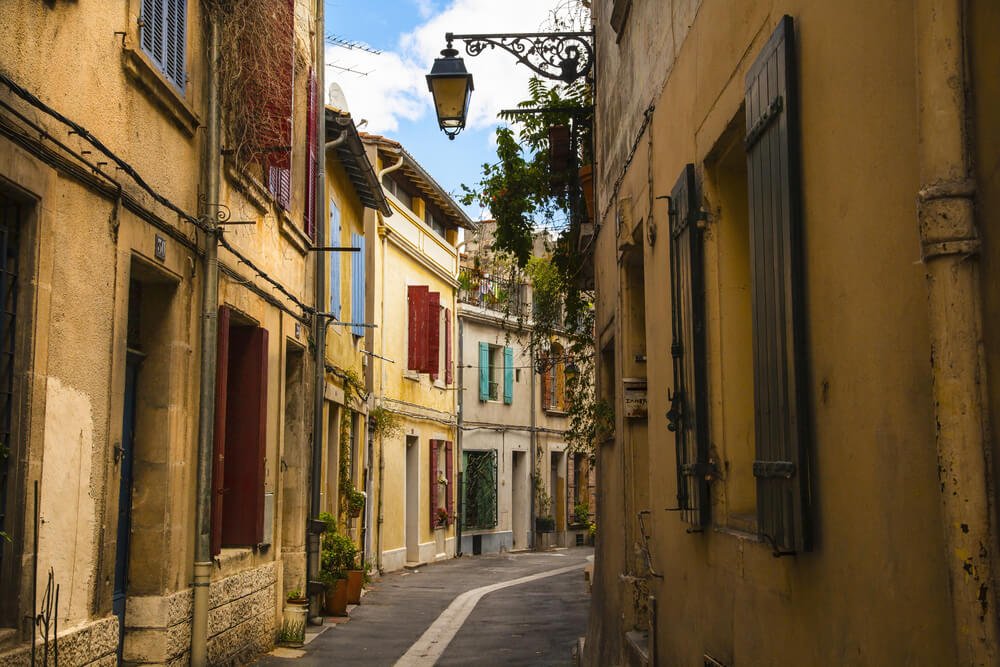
(164, 37)
(780, 429)
(357, 284)
(688, 417)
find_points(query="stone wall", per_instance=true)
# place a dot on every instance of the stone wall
(92, 644)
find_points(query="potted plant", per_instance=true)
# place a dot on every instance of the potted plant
(442, 518)
(355, 581)
(337, 554)
(293, 622)
(355, 503)
(581, 513)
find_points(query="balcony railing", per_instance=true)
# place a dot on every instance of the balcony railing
(492, 292)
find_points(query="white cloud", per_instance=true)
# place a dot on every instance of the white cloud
(395, 88)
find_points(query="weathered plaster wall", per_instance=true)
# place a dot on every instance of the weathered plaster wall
(851, 600)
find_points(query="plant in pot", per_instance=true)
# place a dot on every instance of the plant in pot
(355, 582)
(442, 518)
(293, 622)
(581, 513)
(355, 502)
(337, 554)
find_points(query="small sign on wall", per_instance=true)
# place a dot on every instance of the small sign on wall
(636, 406)
(160, 248)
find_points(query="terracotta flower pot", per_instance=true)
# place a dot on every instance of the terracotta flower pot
(336, 599)
(355, 578)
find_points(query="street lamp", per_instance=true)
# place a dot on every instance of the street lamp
(563, 56)
(451, 85)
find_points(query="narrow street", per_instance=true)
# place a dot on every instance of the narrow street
(511, 609)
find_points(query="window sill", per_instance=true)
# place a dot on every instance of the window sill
(555, 412)
(410, 375)
(145, 74)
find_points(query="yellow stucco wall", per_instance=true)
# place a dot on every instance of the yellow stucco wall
(874, 590)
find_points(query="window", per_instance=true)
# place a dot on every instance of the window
(335, 237)
(435, 222)
(554, 379)
(442, 497)
(357, 284)
(394, 187)
(496, 372)
(162, 26)
(240, 435)
(479, 495)
(427, 324)
(731, 334)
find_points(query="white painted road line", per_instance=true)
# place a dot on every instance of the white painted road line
(426, 650)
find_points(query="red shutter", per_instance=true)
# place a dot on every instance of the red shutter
(219, 440)
(310, 203)
(433, 334)
(449, 372)
(416, 330)
(246, 430)
(449, 474)
(434, 483)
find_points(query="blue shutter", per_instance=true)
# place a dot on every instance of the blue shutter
(358, 284)
(334, 259)
(508, 375)
(484, 371)
(164, 37)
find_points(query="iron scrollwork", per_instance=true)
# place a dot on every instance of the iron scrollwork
(563, 56)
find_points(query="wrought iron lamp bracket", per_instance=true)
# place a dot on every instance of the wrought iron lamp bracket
(563, 56)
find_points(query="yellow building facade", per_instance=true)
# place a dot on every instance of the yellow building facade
(110, 188)
(412, 376)
(796, 251)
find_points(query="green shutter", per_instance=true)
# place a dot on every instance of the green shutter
(484, 371)
(508, 375)
(779, 361)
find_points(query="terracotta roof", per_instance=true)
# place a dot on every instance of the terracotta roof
(351, 153)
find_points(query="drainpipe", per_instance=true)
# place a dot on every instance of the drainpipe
(534, 448)
(319, 325)
(950, 249)
(461, 419)
(209, 336)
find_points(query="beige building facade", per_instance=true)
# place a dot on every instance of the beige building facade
(794, 250)
(105, 188)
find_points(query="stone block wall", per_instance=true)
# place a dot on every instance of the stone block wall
(92, 644)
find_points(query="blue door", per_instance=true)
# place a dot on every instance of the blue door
(125, 460)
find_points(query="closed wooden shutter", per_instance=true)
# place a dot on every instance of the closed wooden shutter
(416, 296)
(508, 375)
(560, 376)
(449, 371)
(219, 433)
(688, 408)
(449, 474)
(246, 438)
(780, 428)
(310, 203)
(335, 240)
(433, 340)
(546, 382)
(358, 284)
(163, 37)
(571, 488)
(484, 371)
(433, 495)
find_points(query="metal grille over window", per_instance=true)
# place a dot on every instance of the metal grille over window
(688, 404)
(480, 492)
(8, 298)
(163, 37)
(780, 431)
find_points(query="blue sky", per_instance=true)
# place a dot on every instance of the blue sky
(393, 96)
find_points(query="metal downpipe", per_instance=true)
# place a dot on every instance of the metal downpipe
(209, 335)
(319, 326)
(458, 430)
(950, 248)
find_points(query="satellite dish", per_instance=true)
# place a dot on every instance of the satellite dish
(336, 99)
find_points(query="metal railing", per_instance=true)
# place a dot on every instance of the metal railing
(478, 288)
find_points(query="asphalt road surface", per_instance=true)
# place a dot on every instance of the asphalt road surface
(512, 609)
